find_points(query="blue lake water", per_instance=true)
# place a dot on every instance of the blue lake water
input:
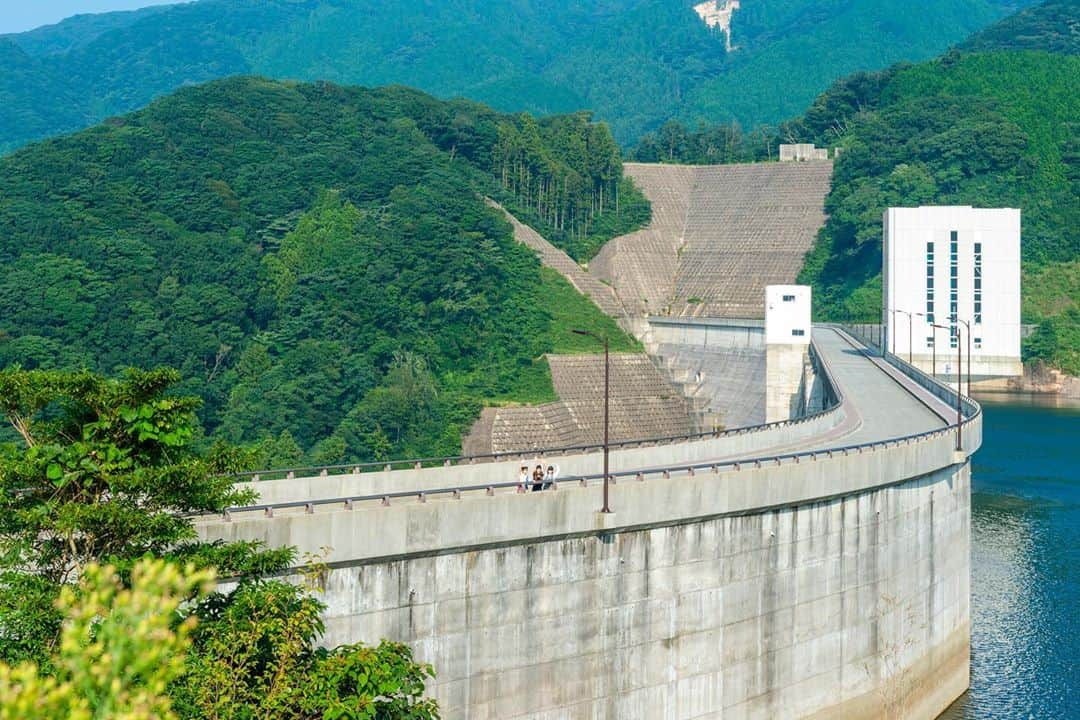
(1025, 566)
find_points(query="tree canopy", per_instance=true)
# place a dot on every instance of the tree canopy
(107, 608)
(983, 129)
(292, 248)
(637, 63)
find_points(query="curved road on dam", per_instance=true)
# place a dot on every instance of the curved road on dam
(879, 403)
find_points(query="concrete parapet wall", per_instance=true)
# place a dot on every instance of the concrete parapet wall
(372, 531)
(740, 576)
(745, 444)
(836, 587)
(708, 333)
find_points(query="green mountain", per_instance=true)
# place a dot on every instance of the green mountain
(317, 260)
(986, 129)
(636, 63)
(1053, 26)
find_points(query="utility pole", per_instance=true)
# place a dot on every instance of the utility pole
(959, 393)
(959, 373)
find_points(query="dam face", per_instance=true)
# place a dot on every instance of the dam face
(812, 568)
(856, 606)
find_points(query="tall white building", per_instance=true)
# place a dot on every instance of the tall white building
(947, 265)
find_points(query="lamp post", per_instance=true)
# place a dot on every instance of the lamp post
(607, 399)
(959, 376)
(967, 326)
(933, 344)
(892, 329)
(959, 393)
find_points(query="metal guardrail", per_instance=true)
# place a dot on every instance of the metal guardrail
(385, 499)
(690, 469)
(931, 384)
(833, 399)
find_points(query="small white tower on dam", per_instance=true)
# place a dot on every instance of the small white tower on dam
(787, 337)
(953, 267)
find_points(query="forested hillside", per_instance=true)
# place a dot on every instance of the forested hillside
(1053, 26)
(316, 260)
(986, 129)
(636, 63)
(982, 128)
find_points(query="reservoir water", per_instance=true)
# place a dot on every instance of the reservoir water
(1025, 566)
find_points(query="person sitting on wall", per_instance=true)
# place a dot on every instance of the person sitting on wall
(538, 478)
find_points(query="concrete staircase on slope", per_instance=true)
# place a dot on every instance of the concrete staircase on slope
(726, 386)
(747, 226)
(642, 266)
(643, 405)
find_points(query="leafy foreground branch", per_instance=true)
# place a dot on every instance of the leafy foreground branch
(98, 488)
(132, 653)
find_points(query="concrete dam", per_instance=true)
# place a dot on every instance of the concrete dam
(815, 567)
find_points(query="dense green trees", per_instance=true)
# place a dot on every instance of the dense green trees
(637, 63)
(1051, 26)
(100, 471)
(106, 471)
(983, 129)
(707, 145)
(286, 245)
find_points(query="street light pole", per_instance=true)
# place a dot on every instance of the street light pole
(607, 402)
(959, 392)
(959, 373)
(933, 351)
(892, 329)
(910, 331)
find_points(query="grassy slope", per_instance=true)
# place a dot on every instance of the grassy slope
(569, 310)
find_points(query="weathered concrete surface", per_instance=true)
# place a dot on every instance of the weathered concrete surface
(855, 606)
(834, 586)
(784, 381)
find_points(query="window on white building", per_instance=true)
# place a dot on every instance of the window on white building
(930, 282)
(978, 283)
(954, 276)
(798, 333)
